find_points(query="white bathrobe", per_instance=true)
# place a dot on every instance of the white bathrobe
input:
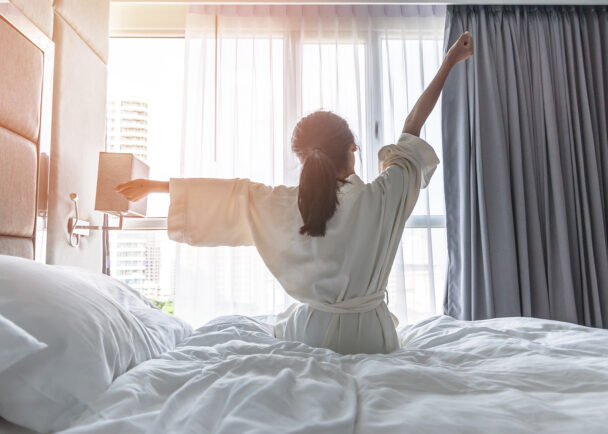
(340, 279)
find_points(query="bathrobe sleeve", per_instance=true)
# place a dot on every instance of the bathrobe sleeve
(411, 154)
(221, 212)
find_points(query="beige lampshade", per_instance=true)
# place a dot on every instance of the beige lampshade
(116, 168)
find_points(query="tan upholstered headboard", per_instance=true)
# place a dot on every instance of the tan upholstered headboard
(26, 66)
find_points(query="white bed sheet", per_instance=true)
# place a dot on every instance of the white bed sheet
(501, 375)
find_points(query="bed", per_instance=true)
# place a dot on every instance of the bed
(501, 375)
(113, 363)
(84, 353)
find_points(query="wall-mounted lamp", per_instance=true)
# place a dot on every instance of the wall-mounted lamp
(76, 227)
(115, 168)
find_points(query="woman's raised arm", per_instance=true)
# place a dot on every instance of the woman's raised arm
(139, 188)
(461, 50)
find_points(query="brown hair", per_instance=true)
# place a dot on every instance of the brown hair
(322, 141)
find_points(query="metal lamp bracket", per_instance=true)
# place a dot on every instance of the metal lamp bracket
(80, 228)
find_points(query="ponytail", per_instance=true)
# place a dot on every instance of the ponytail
(318, 193)
(321, 141)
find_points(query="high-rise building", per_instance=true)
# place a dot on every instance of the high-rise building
(128, 258)
(127, 126)
(135, 257)
(152, 287)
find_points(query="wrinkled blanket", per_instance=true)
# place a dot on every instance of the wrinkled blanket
(501, 375)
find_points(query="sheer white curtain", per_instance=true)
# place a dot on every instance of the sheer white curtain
(251, 72)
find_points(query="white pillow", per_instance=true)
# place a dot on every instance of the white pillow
(167, 330)
(92, 338)
(15, 344)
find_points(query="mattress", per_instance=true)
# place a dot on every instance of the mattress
(500, 375)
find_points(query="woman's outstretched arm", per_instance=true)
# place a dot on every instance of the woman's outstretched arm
(461, 50)
(139, 188)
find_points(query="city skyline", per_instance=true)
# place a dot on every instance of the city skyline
(151, 72)
(135, 257)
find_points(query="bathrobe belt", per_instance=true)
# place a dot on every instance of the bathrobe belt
(352, 305)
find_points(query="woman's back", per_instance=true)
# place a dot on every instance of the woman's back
(341, 277)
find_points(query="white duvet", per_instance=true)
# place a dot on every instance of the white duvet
(501, 375)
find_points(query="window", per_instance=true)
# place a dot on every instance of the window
(237, 120)
(408, 65)
(145, 90)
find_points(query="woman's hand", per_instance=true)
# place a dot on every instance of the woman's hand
(137, 189)
(134, 190)
(462, 49)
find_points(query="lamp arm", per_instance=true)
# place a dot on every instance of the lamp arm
(81, 228)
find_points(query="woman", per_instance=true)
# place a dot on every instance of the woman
(331, 241)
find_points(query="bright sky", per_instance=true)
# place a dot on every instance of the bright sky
(152, 69)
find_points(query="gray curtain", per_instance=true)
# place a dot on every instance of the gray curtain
(525, 155)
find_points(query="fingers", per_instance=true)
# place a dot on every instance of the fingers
(132, 190)
(462, 48)
(466, 39)
(121, 187)
(135, 183)
(466, 42)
